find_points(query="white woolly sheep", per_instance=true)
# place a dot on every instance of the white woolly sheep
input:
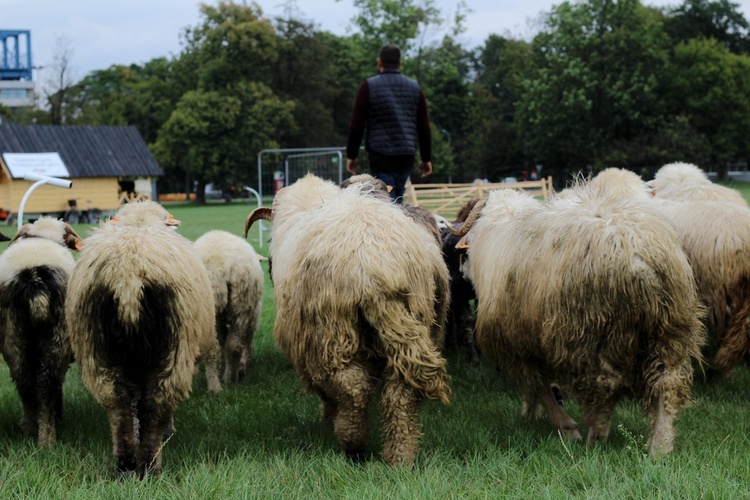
(34, 272)
(237, 281)
(716, 238)
(713, 223)
(687, 182)
(592, 292)
(460, 323)
(355, 286)
(140, 312)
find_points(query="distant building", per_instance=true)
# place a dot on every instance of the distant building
(108, 165)
(16, 84)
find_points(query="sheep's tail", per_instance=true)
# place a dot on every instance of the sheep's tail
(38, 297)
(410, 352)
(735, 346)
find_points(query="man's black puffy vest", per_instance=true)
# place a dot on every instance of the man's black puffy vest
(392, 120)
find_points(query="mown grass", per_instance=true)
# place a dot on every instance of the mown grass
(264, 438)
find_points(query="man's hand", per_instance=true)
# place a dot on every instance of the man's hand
(425, 168)
(352, 165)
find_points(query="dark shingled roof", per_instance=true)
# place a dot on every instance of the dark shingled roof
(87, 151)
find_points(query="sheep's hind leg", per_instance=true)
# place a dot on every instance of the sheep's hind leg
(49, 399)
(123, 437)
(245, 360)
(232, 358)
(155, 419)
(598, 419)
(400, 406)
(557, 416)
(351, 388)
(662, 434)
(211, 362)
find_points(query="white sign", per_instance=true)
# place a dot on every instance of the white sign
(49, 164)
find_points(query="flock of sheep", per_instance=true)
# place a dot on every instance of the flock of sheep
(610, 289)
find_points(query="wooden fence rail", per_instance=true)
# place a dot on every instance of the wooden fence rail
(447, 199)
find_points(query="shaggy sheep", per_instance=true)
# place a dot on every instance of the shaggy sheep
(237, 281)
(713, 223)
(460, 323)
(140, 312)
(355, 287)
(592, 292)
(34, 273)
(687, 182)
(716, 238)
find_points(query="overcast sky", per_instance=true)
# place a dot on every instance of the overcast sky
(106, 32)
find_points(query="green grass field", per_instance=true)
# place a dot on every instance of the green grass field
(264, 438)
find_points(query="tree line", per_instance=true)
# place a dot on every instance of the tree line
(602, 83)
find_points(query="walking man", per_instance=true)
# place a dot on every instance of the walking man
(391, 111)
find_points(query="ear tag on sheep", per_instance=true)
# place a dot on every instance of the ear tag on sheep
(171, 221)
(261, 258)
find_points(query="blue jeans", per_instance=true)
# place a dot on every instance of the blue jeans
(397, 180)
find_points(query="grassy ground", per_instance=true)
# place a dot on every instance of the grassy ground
(264, 438)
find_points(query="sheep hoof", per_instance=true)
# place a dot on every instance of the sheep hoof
(126, 466)
(356, 454)
(27, 428)
(570, 431)
(214, 386)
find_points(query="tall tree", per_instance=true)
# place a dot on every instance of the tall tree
(399, 22)
(495, 148)
(719, 19)
(711, 87)
(597, 69)
(305, 74)
(233, 42)
(218, 128)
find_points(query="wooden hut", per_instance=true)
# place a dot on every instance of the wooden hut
(97, 159)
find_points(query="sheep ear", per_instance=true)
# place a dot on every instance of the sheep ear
(462, 245)
(3, 237)
(651, 187)
(21, 233)
(261, 258)
(115, 221)
(71, 238)
(172, 222)
(389, 188)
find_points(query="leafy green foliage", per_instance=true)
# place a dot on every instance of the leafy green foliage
(597, 70)
(396, 22)
(711, 86)
(720, 20)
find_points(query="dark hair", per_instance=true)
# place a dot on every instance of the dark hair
(390, 56)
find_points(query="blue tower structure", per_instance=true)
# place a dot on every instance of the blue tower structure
(16, 84)
(15, 60)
